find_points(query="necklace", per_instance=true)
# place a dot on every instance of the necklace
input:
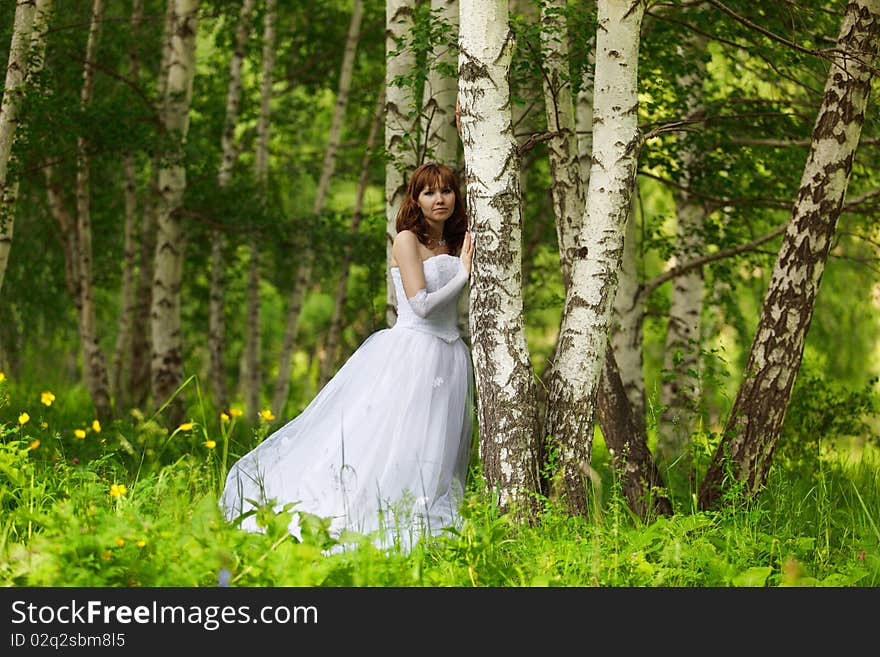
(440, 242)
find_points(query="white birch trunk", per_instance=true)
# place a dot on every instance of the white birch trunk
(140, 381)
(505, 388)
(755, 422)
(680, 389)
(562, 149)
(628, 319)
(122, 348)
(332, 346)
(402, 154)
(587, 313)
(253, 376)
(228, 158)
(167, 346)
(94, 365)
(441, 90)
(304, 271)
(16, 70)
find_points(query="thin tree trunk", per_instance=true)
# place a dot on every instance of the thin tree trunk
(562, 148)
(755, 421)
(304, 271)
(441, 90)
(505, 388)
(680, 388)
(401, 152)
(640, 480)
(342, 284)
(94, 365)
(167, 345)
(122, 348)
(253, 378)
(574, 381)
(16, 70)
(628, 319)
(228, 157)
(66, 233)
(141, 348)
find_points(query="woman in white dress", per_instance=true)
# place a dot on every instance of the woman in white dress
(383, 449)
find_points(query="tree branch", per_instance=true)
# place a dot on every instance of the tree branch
(648, 288)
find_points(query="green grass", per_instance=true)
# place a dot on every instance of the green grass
(60, 525)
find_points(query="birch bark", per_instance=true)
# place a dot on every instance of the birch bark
(574, 382)
(253, 380)
(94, 365)
(566, 185)
(505, 388)
(167, 345)
(441, 89)
(122, 348)
(16, 69)
(680, 387)
(141, 350)
(400, 152)
(755, 421)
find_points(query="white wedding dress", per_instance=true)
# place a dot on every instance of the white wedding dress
(383, 449)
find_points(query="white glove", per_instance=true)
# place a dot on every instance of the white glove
(424, 303)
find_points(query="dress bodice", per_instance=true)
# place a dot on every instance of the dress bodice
(443, 321)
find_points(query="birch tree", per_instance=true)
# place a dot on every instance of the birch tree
(574, 380)
(16, 69)
(680, 386)
(502, 367)
(304, 267)
(228, 157)
(94, 365)
(441, 89)
(562, 147)
(401, 154)
(127, 299)
(755, 420)
(140, 381)
(252, 376)
(167, 345)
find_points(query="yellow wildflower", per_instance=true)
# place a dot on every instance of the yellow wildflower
(44, 424)
(106, 556)
(186, 426)
(118, 490)
(79, 433)
(234, 412)
(96, 426)
(2, 377)
(210, 444)
(224, 417)
(23, 418)
(266, 414)
(34, 444)
(47, 398)
(120, 541)
(141, 543)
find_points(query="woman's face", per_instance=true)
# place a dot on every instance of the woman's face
(437, 201)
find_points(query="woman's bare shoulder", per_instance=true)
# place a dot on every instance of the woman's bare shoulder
(406, 238)
(405, 247)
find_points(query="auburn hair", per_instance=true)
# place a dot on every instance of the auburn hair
(410, 217)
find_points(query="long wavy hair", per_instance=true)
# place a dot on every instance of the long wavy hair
(410, 217)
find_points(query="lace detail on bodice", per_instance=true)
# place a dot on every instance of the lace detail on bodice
(443, 321)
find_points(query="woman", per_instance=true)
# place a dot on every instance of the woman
(383, 449)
